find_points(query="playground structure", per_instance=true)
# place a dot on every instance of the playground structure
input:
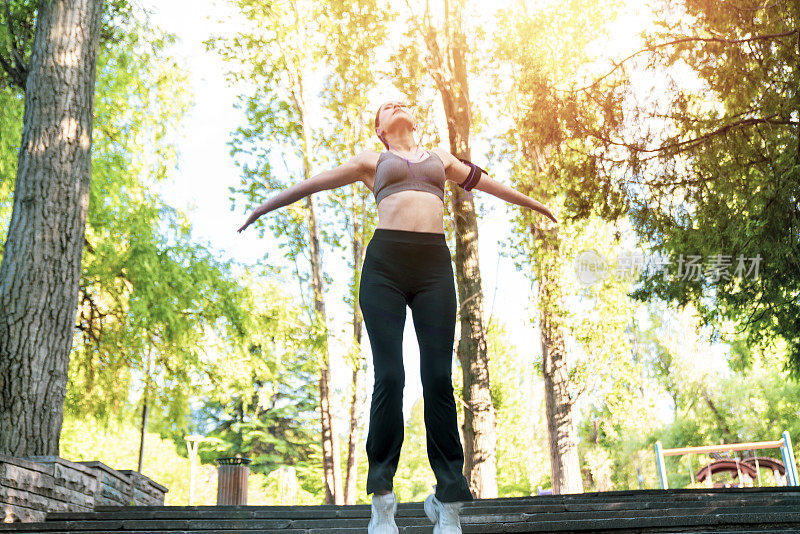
(750, 467)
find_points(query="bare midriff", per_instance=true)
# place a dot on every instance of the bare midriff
(414, 211)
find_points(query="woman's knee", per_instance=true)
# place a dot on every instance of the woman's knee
(437, 384)
(390, 383)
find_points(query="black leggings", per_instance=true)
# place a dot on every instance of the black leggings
(403, 268)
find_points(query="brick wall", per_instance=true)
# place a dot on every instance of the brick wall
(31, 486)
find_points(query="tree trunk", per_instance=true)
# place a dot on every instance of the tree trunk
(330, 444)
(356, 402)
(558, 401)
(480, 461)
(722, 424)
(41, 266)
(143, 433)
(562, 434)
(351, 475)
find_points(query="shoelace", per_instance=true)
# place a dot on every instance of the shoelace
(384, 508)
(449, 514)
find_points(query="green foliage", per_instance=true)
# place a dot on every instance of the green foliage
(722, 156)
(414, 477)
(274, 74)
(522, 451)
(11, 107)
(551, 159)
(116, 444)
(616, 448)
(725, 157)
(542, 59)
(18, 24)
(351, 29)
(755, 406)
(160, 317)
(268, 416)
(276, 70)
(146, 289)
(712, 405)
(283, 124)
(259, 399)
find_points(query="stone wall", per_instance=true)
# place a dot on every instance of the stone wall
(144, 491)
(31, 486)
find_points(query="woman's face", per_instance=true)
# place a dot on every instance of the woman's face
(389, 112)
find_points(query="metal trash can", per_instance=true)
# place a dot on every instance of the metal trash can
(232, 480)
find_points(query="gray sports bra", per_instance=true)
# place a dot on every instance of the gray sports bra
(392, 175)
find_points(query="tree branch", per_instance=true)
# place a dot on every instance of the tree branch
(682, 146)
(681, 41)
(15, 67)
(757, 8)
(12, 72)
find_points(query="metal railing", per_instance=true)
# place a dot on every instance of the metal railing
(784, 444)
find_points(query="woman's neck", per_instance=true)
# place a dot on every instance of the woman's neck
(402, 141)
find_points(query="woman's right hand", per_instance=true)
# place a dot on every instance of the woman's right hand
(347, 173)
(250, 220)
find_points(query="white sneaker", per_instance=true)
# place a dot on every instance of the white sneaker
(384, 507)
(443, 514)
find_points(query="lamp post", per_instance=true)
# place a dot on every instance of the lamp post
(192, 443)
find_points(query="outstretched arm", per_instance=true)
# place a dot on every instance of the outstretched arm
(457, 171)
(502, 191)
(349, 172)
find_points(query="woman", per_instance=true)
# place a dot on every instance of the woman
(407, 263)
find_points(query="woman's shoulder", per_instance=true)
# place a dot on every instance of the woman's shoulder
(446, 157)
(367, 159)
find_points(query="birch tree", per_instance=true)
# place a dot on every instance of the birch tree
(447, 63)
(275, 57)
(546, 53)
(353, 28)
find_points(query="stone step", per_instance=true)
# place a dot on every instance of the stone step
(566, 522)
(654, 526)
(88, 520)
(742, 511)
(671, 495)
(477, 507)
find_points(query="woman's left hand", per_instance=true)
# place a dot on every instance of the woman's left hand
(544, 210)
(550, 216)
